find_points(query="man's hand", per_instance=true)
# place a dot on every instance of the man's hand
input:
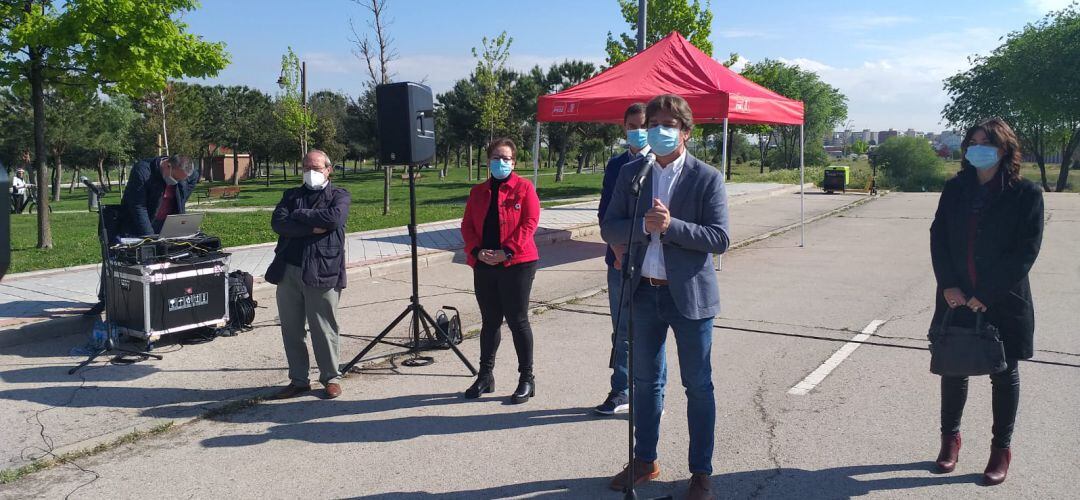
(318, 230)
(976, 305)
(955, 297)
(658, 218)
(618, 250)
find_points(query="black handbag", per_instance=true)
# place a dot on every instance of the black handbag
(957, 351)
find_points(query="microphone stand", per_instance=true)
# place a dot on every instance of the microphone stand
(109, 275)
(628, 270)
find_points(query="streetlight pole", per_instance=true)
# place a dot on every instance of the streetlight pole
(303, 103)
(642, 18)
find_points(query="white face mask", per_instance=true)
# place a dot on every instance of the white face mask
(314, 179)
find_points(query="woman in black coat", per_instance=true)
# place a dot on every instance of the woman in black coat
(985, 238)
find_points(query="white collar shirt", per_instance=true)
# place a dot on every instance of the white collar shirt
(663, 183)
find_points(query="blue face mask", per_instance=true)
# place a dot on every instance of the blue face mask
(663, 140)
(637, 138)
(982, 157)
(500, 168)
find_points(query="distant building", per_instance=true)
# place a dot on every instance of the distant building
(835, 151)
(950, 139)
(221, 166)
(884, 135)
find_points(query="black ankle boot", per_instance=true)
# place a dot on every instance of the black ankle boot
(526, 389)
(485, 383)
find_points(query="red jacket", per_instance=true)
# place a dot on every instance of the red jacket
(519, 215)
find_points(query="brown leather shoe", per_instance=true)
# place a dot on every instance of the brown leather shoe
(290, 391)
(998, 466)
(949, 454)
(700, 487)
(643, 472)
(333, 390)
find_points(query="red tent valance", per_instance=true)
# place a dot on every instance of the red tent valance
(671, 66)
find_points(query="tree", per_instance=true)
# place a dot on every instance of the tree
(68, 129)
(1030, 81)
(377, 56)
(495, 98)
(824, 108)
(16, 142)
(561, 135)
(111, 123)
(122, 46)
(860, 147)
(463, 117)
(910, 163)
(330, 109)
(292, 113)
(689, 18)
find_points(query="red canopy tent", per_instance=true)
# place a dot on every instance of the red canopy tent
(672, 66)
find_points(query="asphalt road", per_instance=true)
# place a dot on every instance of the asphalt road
(869, 428)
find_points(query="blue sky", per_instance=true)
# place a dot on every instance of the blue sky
(888, 57)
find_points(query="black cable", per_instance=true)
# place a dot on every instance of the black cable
(48, 442)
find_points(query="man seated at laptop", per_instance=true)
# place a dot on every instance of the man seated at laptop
(157, 188)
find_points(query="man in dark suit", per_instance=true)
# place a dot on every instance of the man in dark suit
(636, 147)
(157, 188)
(674, 284)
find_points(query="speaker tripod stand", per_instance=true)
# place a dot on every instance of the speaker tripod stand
(418, 316)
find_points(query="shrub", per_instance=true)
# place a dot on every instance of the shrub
(910, 164)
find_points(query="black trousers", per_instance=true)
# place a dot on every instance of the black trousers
(1006, 399)
(503, 293)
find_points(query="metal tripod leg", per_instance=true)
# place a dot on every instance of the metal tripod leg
(378, 338)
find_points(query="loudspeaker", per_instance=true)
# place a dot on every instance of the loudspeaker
(5, 221)
(406, 116)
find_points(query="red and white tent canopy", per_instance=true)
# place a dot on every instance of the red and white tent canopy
(671, 66)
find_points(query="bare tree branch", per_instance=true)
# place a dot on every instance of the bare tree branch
(381, 51)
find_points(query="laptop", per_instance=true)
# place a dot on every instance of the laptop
(181, 226)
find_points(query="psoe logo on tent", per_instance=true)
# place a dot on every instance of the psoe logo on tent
(742, 106)
(565, 108)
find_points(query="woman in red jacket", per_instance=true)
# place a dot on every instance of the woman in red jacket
(498, 227)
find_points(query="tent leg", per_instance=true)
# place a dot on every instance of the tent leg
(536, 157)
(723, 154)
(802, 184)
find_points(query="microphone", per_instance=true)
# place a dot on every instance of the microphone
(91, 186)
(639, 177)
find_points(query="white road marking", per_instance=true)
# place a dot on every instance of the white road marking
(803, 388)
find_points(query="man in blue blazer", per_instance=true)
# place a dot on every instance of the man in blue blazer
(684, 223)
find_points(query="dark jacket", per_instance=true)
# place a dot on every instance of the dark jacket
(324, 254)
(1007, 241)
(142, 195)
(611, 174)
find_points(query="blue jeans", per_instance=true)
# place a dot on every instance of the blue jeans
(654, 312)
(619, 373)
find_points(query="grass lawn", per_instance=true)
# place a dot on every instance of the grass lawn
(75, 238)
